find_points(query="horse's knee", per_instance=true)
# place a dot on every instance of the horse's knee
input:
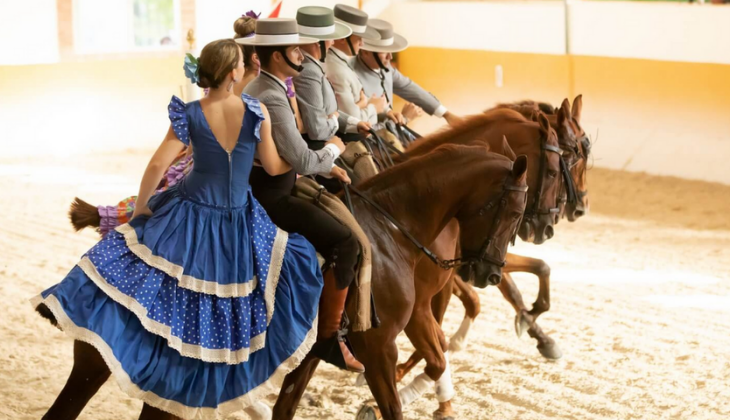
(435, 367)
(540, 306)
(472, 303)
(542, 269)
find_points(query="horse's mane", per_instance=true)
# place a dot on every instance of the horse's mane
(477, 122)
(455, 156)
(529, 105)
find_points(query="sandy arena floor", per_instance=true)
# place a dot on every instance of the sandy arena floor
(640, 306)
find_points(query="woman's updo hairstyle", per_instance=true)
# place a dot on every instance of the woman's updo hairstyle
(245, 26)
(217, 60)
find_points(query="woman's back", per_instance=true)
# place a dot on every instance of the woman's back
(224, 134)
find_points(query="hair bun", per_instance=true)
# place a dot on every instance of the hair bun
(244, 26)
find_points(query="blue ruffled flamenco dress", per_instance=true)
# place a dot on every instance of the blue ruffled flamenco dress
(204, 307)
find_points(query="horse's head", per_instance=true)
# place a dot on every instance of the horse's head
(576, 147)
(542, 207)
(488, 222)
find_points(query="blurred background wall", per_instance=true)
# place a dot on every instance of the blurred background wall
(96, 75)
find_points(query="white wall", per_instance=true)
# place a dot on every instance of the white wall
(647, 132)
(529, 26)
(648, 30)
(214, 18)
(660, 31)
(28, 32)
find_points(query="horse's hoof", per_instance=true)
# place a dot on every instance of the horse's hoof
(368, 412)
(360, 380)
(441, 416)
(550, 351)
(521, 325)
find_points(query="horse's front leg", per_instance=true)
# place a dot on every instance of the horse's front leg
(439, 304)
(379, 361)
(427, 337)
(524, 321)
(88, 374)
(519, 263)
(472, 307)
(293, 388)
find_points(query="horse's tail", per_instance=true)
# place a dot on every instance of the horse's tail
(83, 214)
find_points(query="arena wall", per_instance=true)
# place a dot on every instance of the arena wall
(654, 76)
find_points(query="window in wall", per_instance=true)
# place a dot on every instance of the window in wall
(108, 26)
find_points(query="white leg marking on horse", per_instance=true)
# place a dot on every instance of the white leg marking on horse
(259, 411)
(458, 341)
(289, 389)
(444, 387)
(415, 389)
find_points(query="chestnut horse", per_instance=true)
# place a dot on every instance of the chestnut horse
(540, 144)
(534, 139)
(575, 148)
(485, 192)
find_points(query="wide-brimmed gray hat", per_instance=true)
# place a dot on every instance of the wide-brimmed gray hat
(276, 32)
(355, 19)
(319, 22)
(389, 41)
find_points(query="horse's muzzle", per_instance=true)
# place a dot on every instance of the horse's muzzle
(579, 209)
(537, 230)
(481, 275)
(526, 232)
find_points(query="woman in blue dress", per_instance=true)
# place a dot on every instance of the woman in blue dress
(199, 305)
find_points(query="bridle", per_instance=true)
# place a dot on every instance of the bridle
(483, 255)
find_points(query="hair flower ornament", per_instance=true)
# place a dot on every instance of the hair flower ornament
(191, 68)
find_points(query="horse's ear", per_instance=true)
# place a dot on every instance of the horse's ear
(562, 117)
(519, 168)
(544, 123)
(565, 107)
(577, 107)
(507, 149)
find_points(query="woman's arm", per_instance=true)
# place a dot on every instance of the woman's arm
(161, 160)
(268, 155)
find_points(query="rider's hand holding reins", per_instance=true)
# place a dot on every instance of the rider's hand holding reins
(396, 117)
(341, 174)
(364, 127)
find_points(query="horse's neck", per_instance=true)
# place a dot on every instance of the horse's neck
(422, 207)
(490, 134)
